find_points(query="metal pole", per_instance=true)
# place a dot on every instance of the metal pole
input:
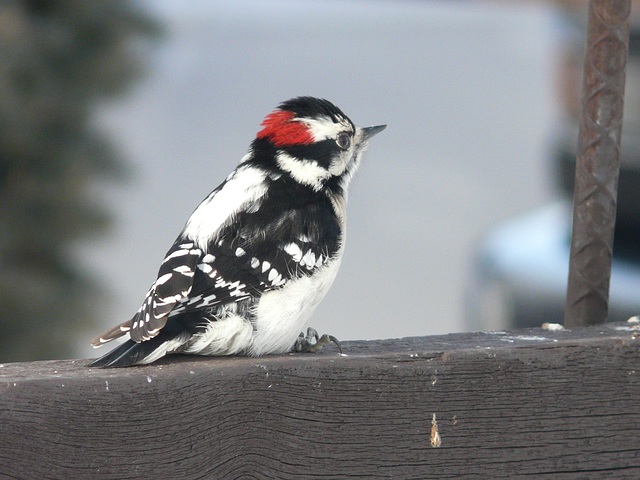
(598, 163)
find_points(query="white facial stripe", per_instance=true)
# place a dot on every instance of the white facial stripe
(307, 172)
(244, 187)
(324, 127)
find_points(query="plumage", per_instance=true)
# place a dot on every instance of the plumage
(258, 254)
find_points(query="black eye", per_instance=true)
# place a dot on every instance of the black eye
(343, 140)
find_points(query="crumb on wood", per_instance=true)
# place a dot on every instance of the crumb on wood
(435, 435)
(552, 327)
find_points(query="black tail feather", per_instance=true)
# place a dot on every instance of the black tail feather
(132, 353)
(116, 356)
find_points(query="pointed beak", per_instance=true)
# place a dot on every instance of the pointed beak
(368, 132)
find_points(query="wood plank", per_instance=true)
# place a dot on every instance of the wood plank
(522, 404)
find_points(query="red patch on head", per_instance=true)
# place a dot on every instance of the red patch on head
(282, 131)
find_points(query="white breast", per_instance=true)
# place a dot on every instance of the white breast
(281, 314)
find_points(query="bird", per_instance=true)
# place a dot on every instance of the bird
(260, 252)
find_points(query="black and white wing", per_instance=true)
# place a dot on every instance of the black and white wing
(263, 248)
(173, 285)
(237, 268)
(232, 270)
(243, 188)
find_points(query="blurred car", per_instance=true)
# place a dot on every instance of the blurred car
(520, 269)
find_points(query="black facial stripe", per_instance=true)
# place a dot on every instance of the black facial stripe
(322, 151)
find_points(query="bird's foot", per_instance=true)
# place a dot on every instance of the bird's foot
(312, 342)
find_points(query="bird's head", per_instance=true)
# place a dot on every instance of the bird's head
(311, 140)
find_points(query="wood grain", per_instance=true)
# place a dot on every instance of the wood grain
(526, 404)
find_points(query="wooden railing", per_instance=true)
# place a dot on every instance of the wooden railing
(525, 404)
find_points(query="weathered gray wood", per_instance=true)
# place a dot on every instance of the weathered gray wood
(532, 404)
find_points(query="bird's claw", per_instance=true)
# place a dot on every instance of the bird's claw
(312, 342)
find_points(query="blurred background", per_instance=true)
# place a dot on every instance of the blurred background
(118, 117)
